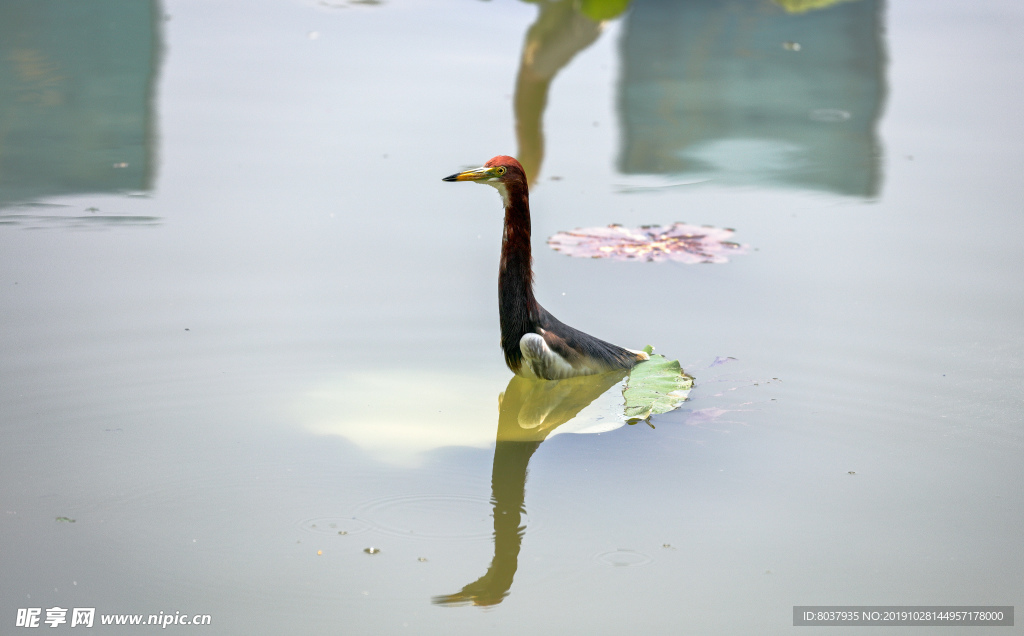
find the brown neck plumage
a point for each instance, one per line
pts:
(516, 305)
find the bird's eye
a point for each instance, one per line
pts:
(500, 171)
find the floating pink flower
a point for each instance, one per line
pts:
(678, 242)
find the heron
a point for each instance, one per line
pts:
(536, 344)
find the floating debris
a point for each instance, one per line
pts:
(678, 242)
(319, 552)
(830, 115)
(422, 559)
(371, 550)
(791, 46)
(65, 519)
(342, 532)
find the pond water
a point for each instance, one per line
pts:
(248, 337)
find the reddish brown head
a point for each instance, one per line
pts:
(505, 161)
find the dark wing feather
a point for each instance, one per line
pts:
(578, 348)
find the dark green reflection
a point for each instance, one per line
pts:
(748, 91)
(563, 28)
(76, 96)
(529, 411)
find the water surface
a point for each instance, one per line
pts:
(269, 341)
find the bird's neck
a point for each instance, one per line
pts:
(516, 303)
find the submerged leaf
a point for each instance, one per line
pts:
(656, 386)
(678, 242)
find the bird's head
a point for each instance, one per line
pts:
(501, 172)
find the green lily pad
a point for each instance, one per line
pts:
(599, 10)
(656, 386)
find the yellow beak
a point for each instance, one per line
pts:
(472, 175)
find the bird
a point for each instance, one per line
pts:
(536, 344)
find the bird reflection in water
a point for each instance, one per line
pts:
(529, 411)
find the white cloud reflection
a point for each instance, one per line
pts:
(397, 417)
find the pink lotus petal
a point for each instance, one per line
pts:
(678, 242)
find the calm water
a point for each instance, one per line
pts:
(246, 332)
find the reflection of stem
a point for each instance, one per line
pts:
(530, 99)
(530, 410)
(558, 34)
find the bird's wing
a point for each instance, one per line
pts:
(557, 351)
